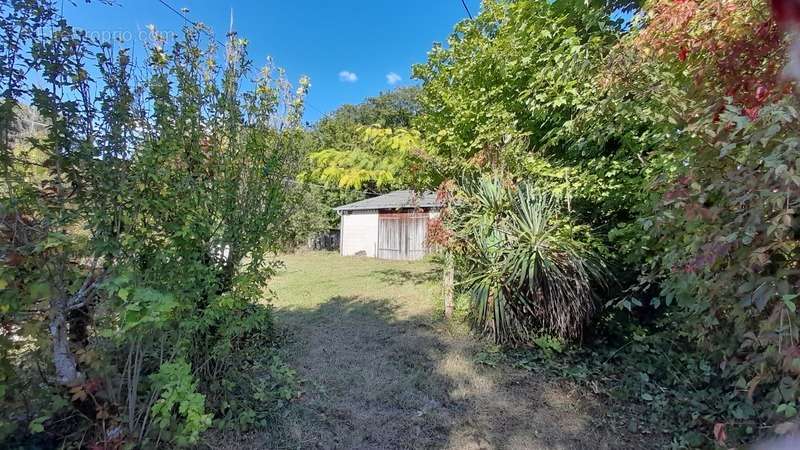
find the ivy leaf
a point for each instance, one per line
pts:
(787, 409)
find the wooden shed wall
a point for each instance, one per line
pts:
(386, 234)
(401, 235)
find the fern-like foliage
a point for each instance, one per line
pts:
(381, 158)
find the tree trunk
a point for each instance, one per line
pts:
(448, 284)
(64, 361)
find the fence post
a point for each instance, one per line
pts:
(447, 282)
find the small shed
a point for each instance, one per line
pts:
(391, 226)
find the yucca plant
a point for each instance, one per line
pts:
(529, 270)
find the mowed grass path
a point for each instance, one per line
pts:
(380, 371)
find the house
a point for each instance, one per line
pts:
(391, 226)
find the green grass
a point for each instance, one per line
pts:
(379, 369)
(310, 279)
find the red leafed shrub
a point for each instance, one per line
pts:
(726, 229)
(728, 251)
(439, 235)
(724, 248)
(729, 47)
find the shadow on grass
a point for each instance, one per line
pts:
(374, 380)
(399, 277)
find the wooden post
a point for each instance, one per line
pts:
(447, 283)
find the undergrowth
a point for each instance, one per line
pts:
(261, 386)
(655, 386)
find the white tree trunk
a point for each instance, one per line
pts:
(64, 361)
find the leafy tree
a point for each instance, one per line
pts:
(359, 137)
(358, 149)
(507, 81)
(392, 109)
(310, 212)
(136, 231)
(721, 227)
(380, 160)
(512, 94)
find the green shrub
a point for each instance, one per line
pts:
(179, 413)
(136, 230)
(727, 258)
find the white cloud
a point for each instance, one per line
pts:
(393, 78)
(347, 76)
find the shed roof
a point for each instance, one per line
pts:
(395, 200)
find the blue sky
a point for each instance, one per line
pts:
(351, 49)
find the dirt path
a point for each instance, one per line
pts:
(379, 372)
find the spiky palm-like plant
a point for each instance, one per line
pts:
(527, 268)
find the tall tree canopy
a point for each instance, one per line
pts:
(369, 145)
(498, 97)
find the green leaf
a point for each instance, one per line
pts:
(37, 424)
(39, 290)
(787, 409)
(788, 300)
